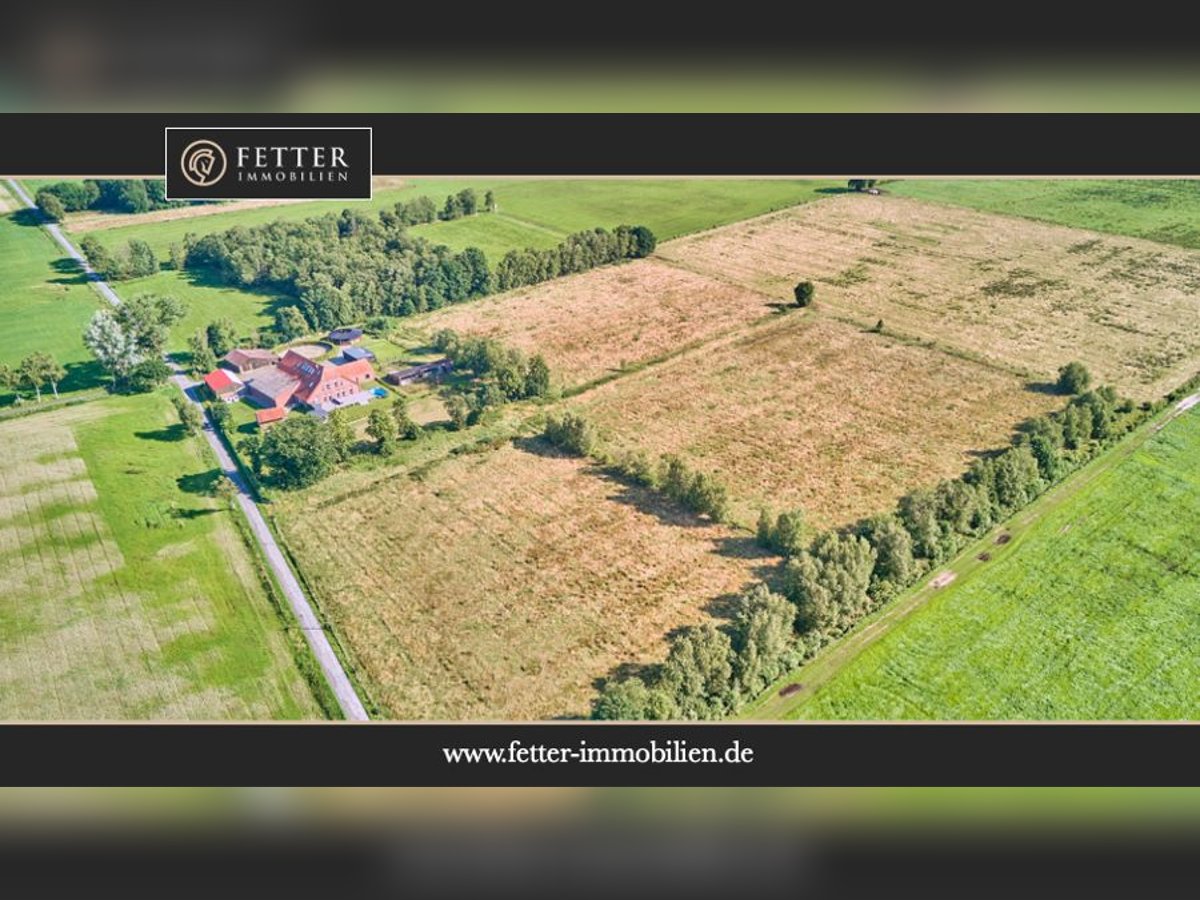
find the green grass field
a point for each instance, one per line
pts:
(1089, 613)
(45, 303)
(129, 593)
(248, 310)
(1166, 211)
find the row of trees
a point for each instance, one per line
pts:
(710, 670)
(129, 340)
(577, 253)
(135, 260)
(500, 375)
(701, 492)
(831, 580)
(352, 266)
(35, 371)
(132, 195)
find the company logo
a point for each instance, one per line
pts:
(224, 163)
(203, 162)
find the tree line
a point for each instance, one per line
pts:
(829, 580)
(350, 267)
(126, 195)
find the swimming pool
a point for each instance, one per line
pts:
(379, 392)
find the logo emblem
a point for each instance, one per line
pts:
(203, 163)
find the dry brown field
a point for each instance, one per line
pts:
(808, 411)
(502, 584)
(593, 324)
(1025, 294)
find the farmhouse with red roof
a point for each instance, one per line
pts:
(296, 379)
(224, 385)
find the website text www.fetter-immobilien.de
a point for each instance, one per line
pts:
(669, 752)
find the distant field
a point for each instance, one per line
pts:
(812, 412)
(1166, 211)
(1090, 614)
(1027, 295)
(500, 585)
(44, 302)
(591, 325)
(128, 593)
(532, 212)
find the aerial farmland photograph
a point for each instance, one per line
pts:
(523, 449)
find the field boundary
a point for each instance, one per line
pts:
(832, 659)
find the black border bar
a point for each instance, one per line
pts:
(409, 754)
(669, 144)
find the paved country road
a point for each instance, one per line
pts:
(314, 633)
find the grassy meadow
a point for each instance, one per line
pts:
(1088, 613)
(45, 303)
(129, 592)
(1164, 211)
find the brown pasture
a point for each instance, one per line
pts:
(502, 584)
(811, 412)
(595, 324)
(1025, 294)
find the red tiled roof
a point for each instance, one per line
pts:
(219, 381)
(274, 414)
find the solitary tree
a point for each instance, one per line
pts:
(803, 293)
(222, 335)
(189, 415)
(1073, 378)
(406, 428)
(51, 207)
(115, 349)
(381, 427)
(203, 359)
(341, 434)
(489, 201)
(297, 452)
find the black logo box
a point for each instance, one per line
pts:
(334, 163)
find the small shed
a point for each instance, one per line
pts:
(435, 370)
(354, 354)
(344, 336)
(223, 384)
(265, 417)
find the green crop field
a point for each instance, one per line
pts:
(128, 591)
(45, 303)
(1165, 211)
(1091, 613)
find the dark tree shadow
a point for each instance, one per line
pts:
(169, 434)
(70, 271)
(539, 446)
(203, 483)
(188, 514)
(1042, 387)
(28, 217)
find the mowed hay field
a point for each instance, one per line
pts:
(128, 593)
(811, 412)
(501, 585)
(1164, 211)
(1022, 293)
(1093, 613)
(596, 323)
